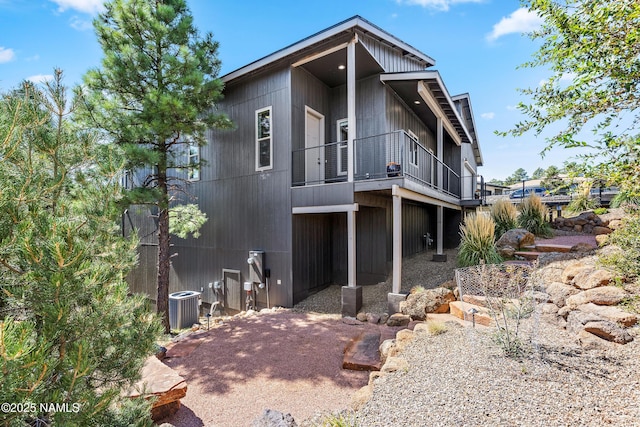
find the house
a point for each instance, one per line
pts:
(348, 154)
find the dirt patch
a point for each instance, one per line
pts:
(289, 362)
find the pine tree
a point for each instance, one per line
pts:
(155, 94)
(69, 334)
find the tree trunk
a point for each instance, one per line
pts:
(163, 269)
(164, 256)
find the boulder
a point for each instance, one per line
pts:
(436, 300)
(602, 239)
(362, 317)
(162, 383)
(590, 279)
(598, 230)
(582, 247)
(574, 269)
(605, 295)
(577, 319)
(615, 224)
(516, 239)
(608, 331)
(373, 318)
(612, 314)
(271, 418)
(506, 251)
(394, 364)
(361, 397)
(398, 319)
(559, 292)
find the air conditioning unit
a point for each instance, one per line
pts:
(183, 309)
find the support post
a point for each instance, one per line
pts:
(394, 298)
(351, 294)
(439, 256)
(351, 106)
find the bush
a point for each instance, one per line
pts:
(583, 200)
(504, 215)
(533, 216)
(627, 260)
(478, 241)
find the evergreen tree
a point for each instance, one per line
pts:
(69, 334)
(537, 174)
(155, 96)
(518, 175)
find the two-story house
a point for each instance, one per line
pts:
(348, 154)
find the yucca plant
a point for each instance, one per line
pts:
(533, 216)
(504, 215)
(478, 241)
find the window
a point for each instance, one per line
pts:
(413, 148)
(343, 136)
(194, 162)
(264, 141)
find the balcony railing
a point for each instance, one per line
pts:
(389, 155)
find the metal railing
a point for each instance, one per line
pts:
(389, 155)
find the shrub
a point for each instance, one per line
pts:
(504, 215)
(436, 328)
(533, 216)
(478, 241)
(583, 200)
(627, 260)
(600, 211)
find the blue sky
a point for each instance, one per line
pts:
(477, 44)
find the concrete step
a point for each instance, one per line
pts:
(363, 352)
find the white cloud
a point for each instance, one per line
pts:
(40, 78)
(520, 21)
(442, 5)
(81, 24)
(6, 54)
(512, 107)
(488, 116)
(86, 6)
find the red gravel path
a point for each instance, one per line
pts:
(570, 240)
(290, 362)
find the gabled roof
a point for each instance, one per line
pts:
(347, 26)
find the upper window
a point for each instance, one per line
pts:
(264, 140)
(194, 162)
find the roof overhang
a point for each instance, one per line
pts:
(464, 100)
(418, 87)
(303, 48)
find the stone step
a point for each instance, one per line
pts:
(550, 247)
(464, 310)
(363, 352)
(528, 255)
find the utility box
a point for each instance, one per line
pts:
(256, 266)
(183, 309)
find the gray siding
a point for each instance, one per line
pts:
(399, 116)
(247, 210)
(392, 59)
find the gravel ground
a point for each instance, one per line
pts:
(417, 270)
(460, 378)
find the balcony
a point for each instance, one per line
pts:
(389, 156)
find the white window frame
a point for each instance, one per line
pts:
(260, 140)
(193, 174)
(342, 144)
(413, 148)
